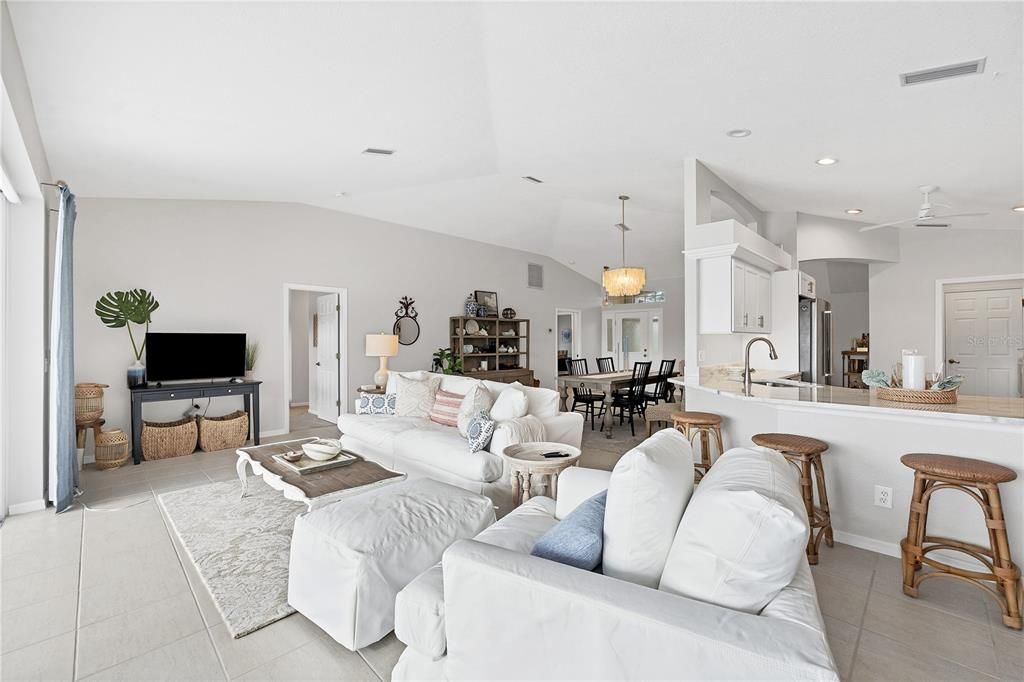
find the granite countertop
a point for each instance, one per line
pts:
(967, 408)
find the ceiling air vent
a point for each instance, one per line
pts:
(534, 276)
(943, 72)
(378, 152)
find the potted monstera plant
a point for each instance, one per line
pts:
(118, 309)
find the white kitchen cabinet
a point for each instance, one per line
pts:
(733, 297)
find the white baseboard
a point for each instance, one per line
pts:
(26, 507)
(870, 544)
(893, 549)
(298, 404)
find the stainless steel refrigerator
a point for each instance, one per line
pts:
(815, 340)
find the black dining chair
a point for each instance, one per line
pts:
(605, 365)
(660, 392)
(584, 396)
(631, 401)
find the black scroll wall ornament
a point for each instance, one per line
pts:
(406, 328)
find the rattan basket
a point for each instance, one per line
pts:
(906, 395)
(88, 403)
(222, 433)
(170, 439)
(111, 449)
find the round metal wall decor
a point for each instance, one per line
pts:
(406, 328)
(508, 313)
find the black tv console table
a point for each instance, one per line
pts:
(152, 393)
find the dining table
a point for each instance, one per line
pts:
(607, 383)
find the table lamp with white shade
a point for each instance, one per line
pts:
(381, 346)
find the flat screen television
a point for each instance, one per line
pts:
(177, 356)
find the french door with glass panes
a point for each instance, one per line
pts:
(632, 336)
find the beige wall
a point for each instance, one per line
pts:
(221, 266)
(902, 295)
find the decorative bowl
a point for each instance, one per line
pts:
(322, 449)
(293, 456)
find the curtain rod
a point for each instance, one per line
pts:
(58, 184)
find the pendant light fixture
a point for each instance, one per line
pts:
(624, 281)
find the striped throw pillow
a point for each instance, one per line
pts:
(446, 408)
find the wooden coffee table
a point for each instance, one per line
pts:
(316, 489)
(526, 460)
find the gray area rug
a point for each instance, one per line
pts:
(239, 546)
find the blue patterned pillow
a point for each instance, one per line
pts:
(480, 430)
(376, 403)
(578, 539)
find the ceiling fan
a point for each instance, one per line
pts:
(926, 217)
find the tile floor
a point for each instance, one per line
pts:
(109, 594)
(301, 419)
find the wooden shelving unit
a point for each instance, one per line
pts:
(487, 360)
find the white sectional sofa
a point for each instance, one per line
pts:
(420, 447)
(492, 611)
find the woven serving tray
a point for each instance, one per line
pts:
(906, 395)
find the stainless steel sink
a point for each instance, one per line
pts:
(786, 383)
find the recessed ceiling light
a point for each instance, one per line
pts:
(377, 151)
(530, 178)
(572, 262)
(1019, 208)
(738, 132)
(341, 194)
(826, 161)
(854, 211)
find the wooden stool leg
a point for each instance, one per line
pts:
(1007, 575)
(807, 492)
(705, 449)
(911, 545)
(80, 437)
(718, 439)
(819, 475)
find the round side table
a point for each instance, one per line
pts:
(526, 460)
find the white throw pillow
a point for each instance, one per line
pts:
(743, 535)
(647, 493)
(415, 398)
(510, 404)
(477, 398)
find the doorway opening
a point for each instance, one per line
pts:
(569, 342)
(980, 334)
(315, 358)
(633, 335)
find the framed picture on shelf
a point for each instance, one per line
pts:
(488, 302)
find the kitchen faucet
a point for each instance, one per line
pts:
(746, 359)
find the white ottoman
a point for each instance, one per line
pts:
(350, 559)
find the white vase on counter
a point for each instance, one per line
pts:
(913, 370)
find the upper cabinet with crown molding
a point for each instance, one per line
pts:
(734, 297)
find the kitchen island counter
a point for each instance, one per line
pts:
(1009, 411)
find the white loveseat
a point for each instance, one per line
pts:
(492, 611)
(419, 447)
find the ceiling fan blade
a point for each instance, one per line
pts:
(958, 215)
(892, 224)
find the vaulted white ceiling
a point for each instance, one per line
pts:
(275, 101)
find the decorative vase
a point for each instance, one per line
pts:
(509, 313)
(471, 306)
(136, 374)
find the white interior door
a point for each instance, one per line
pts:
(328, 358)
(984, 335)
(632, 336)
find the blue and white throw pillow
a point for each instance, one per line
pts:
(376, 403)
(480, 430)
(578, 539)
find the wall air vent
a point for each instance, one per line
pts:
(530, 178)
(534, 276)
(943, 72)
(378, 152)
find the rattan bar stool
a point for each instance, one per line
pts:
(805, 453)
(706, 426)
(980, 480)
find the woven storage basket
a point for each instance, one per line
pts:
(222, 433)
(170, 439)
(906, 395)
(88, 402)
(111, 449)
